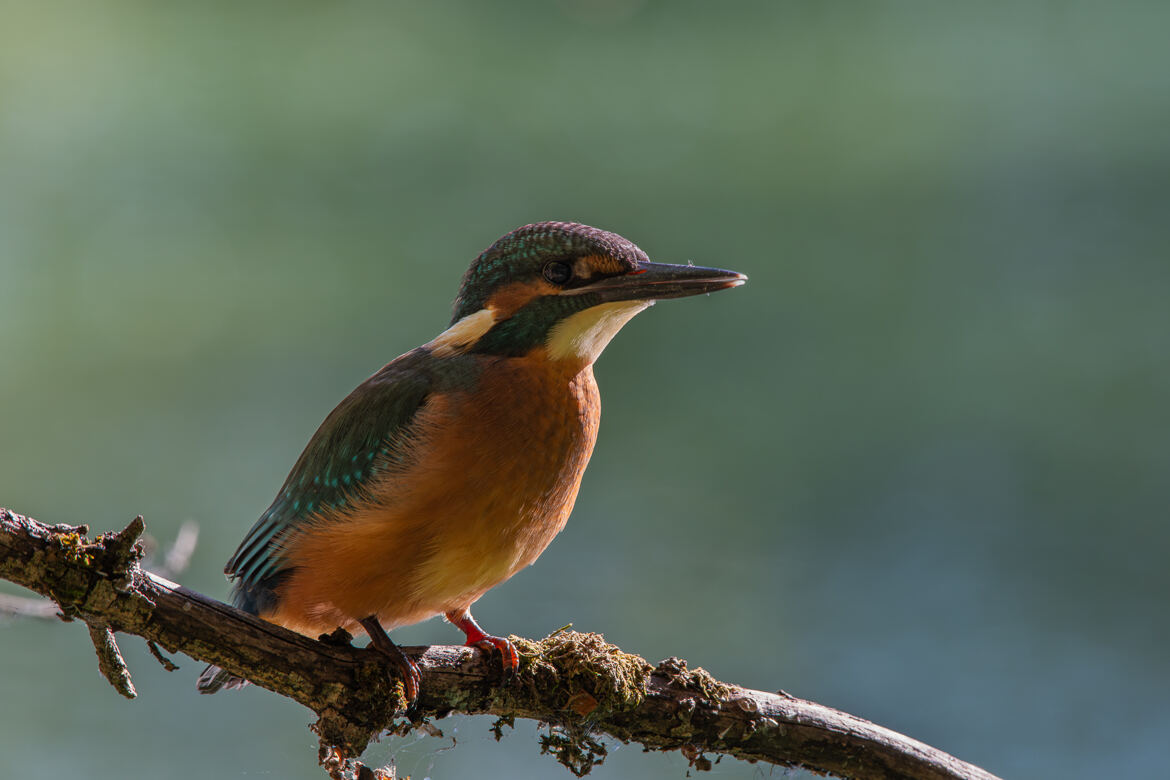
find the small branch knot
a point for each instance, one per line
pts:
(121, 548)
(110, 661)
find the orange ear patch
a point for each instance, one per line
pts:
(509, 299)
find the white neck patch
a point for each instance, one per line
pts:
(582, 336)
(458, 338)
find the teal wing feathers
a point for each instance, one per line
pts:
(364, 435)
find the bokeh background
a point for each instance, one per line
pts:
(916, 469)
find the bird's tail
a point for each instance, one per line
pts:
(214, 678)
(254, 598)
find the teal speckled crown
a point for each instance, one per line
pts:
(518, 254)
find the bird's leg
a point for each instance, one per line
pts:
(462, 619)
(411, 679)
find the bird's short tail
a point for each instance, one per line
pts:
(253, 599)
(214, 678)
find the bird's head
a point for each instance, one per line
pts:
(563, 287)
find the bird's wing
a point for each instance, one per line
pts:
(363, 436)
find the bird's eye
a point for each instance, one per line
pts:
(557, 272)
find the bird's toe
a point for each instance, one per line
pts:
(508, 654)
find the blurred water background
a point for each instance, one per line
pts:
(916, 469)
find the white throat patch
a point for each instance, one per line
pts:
(585, 334)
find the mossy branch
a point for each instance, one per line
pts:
(579, 685)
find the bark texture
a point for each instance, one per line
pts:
(581, 686)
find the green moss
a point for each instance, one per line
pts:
(502, 722)
(579, 753)
(698, 680)
(585, 679)
(371, 682)
(582, 673)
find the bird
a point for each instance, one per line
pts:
(456, 464)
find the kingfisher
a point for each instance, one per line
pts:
(455, 465)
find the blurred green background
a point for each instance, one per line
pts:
(916, 469)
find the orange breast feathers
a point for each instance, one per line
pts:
(490, 480)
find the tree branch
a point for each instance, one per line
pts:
(175, 562)
(577, 683)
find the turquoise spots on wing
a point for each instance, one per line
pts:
(372, 421)
(261, 554)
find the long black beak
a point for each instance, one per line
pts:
(656, 281)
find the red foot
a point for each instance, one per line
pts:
(508, 654)
(486, 642)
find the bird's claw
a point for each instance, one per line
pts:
(407, 669)
(508, 654)
(411, 678)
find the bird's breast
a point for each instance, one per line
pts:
(488, 480)
(504, 461)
